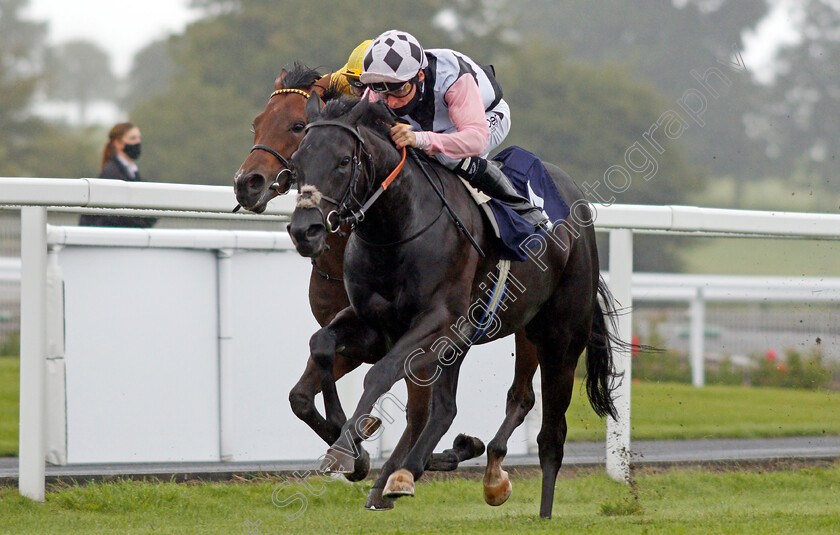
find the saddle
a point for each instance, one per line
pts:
(532, 180)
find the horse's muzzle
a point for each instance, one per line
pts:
(308, 231)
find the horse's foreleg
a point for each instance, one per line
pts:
(442, 413)
(402, 360)
(346, 341)
(417, 414)
(520, 401)
(302, 399)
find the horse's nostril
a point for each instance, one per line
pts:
(314, 231)
(254, 181)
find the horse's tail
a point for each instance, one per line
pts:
(600, 368)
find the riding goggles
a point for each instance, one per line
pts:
(355, 82)
(395, 89)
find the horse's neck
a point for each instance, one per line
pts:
(405, 207)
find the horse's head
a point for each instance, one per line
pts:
(278, 130)
(334, 168)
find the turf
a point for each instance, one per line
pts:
(9, 407)
(679, 411)
(752, 256)
(802, 500)
(659, 411)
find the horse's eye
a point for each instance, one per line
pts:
(297, 128)
(345, 161)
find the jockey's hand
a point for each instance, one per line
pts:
(403, 136)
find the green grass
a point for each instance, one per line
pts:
(659, 411)
(765, 257)
(674, 501)
(753, 256)
(9, 396)
(674, 411)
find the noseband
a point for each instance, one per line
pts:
(288, 166)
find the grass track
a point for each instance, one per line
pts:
(792, 501)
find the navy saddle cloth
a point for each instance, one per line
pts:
(531, 179)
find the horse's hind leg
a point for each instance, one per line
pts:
(520, 401)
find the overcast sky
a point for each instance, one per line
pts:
(119, 26)
(123, 27)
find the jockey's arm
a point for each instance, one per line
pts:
(466, 111)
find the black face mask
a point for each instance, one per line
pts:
(412, 104)
(133, 151)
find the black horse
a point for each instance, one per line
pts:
(412, 276)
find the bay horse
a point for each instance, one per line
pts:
(411, 277)
(265, 174)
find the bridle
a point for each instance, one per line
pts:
(286, 164)
(343, 212)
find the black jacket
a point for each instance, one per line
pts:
(116, 170)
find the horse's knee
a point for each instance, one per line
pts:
(444, 412)
(524, 398)
(302, 404)
(322, 348)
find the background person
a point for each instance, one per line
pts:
(119, 162)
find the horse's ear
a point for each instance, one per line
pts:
(383, 113)
(313, 107)
(358, 111)
(322, 84)
(278, 82)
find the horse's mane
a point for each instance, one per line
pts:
(374, 118)
(332, 92)
(338, 107)
(300, 77)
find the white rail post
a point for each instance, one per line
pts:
(618, 431)
(33, 347)
(224, 266)
(697, 314)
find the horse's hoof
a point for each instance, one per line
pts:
(496, 492)
(361, 467)
(471, 446)
(337, 462)
(400, 483)
(442, 462)
(375, 501)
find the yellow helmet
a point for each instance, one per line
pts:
(353, 67)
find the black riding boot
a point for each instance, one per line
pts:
(489, 179)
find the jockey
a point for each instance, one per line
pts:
(346, 79)
(454, 107)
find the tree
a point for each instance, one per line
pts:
(590, 120)
(151, 73)
(797, 122)
(80, 72)
(224, 66)
(21, 58)
(659, 42)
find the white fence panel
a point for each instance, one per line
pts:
(141, 355)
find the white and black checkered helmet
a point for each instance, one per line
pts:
(394, 56)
